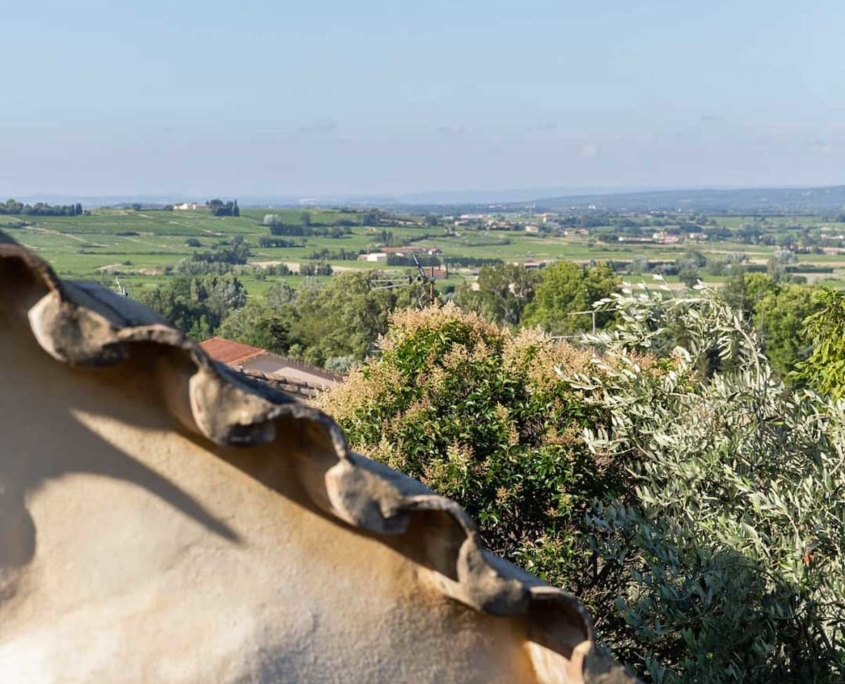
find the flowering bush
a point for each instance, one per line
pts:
(480, 415)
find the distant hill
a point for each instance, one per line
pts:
(737, 201)
(749, 200)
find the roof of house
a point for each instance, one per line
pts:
(228, 352)
(294, 375)
(281, 366)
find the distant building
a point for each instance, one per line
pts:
(408, 250)
(374, 257)
(291, 376)
(228, 352)
(532, 229)
(186, 206)
(665, 238)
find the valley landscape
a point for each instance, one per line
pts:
(144, 246)
(425, 343)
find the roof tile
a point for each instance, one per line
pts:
(229, 352)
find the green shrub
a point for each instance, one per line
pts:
(727, 557)
(479, 414)
(824, 370)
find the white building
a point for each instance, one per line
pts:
(374, 257)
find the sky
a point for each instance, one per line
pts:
(193, 98)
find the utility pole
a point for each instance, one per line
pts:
(392, 282)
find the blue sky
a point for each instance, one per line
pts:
(324, 97)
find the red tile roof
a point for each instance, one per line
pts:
(229, 352)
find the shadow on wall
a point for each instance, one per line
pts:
(42, 440)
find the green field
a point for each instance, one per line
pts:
(139, 246)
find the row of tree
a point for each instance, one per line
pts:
(333, 325)
(557, 299)
(235, 252)
(14, 208)
(220, 208)
(279, 227)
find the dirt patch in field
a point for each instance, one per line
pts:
(125, 269)
(292, 265)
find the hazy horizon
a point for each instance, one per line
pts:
(193, 99)
(444, 197)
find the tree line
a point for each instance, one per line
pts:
(220, 208)
(558, 300)
(12, 207)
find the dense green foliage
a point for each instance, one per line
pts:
(259, 325)
(197, 305)
(15, 208)
(824, 370)
(479, 414)
(345, 317)
(670, 480)
(220, 208)
(502, 292)
(779, 319)
(554, 299)
(306, 226)
(777, 310)
(225, 253)
(727, 558)
(317, 323)
(566, 292)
